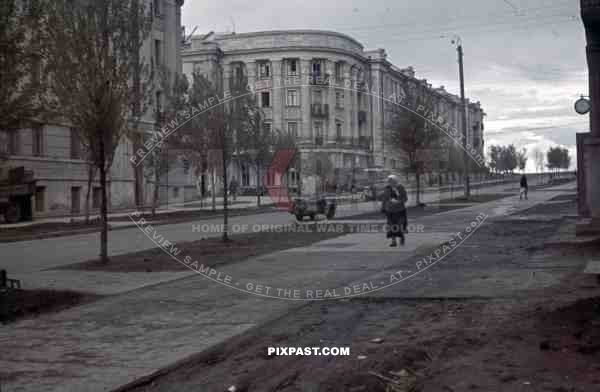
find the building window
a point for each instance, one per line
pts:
(293, 129)
(316, 68)
(318, 132)
(238, 73)
(75, 144)
(186, 166)
(266, 129)
(75, 199)
(339, 70)
(176, 192)
(264, 69)
(40, 197)
(158, 52)
(317, 97)
(265, 99)
(339, 99)
(96, 197)
(292, 98)
(14, 143)
(37, 142)
(338, 130)
(394, 164)
(292, 67)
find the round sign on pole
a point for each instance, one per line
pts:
(582, 105)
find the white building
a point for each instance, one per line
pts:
(325, 89)
(53, 153)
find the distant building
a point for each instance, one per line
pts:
(54, 154)
(314, 77)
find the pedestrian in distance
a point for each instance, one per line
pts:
(233, 188)
(524, 188)
(394, 207)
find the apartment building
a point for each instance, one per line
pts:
(334, 96)
(55, 155)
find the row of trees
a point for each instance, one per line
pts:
(505, 159)
(558, 158)
(425, 149)
(82, 64)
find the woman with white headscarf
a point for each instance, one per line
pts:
(394, 207)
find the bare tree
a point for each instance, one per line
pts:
(215, 129)
(197, 137)
(98, 76)
(21, 65)
(413, 134)
(174, 89)
(522, 159)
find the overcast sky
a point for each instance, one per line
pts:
(524, 59)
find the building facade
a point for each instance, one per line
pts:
(55, 155)
(324, 88)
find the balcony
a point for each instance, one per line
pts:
(319, 110)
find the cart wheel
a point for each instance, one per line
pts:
(330, 213)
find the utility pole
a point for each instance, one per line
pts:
(463, 116)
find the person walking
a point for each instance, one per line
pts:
(233, 188)
(394, 206)
(524, 188)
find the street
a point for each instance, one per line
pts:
(122, 337)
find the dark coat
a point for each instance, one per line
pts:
(394, 199)
(523, 182)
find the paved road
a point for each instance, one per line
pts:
(113, 341)
(30, 256)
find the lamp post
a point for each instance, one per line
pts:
(458, 42)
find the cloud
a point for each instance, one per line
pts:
(526, 65)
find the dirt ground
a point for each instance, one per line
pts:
(541, 339)
(18, 304)
(210, 251)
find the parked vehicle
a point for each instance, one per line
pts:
(312, 205)
(15, 195)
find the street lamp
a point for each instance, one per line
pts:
(456, 40)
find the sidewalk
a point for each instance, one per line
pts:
(241, 202)
(111, 342)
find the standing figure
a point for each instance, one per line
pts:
(233, 188)
(394, 207)
(524, 188)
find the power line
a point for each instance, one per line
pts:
(455, 19)
(447, 34)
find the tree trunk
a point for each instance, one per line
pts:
(214, 190)
(418, 178)
(103, 207)
(225, 208)
(258, 184)
(91, 173)
(155, 195)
